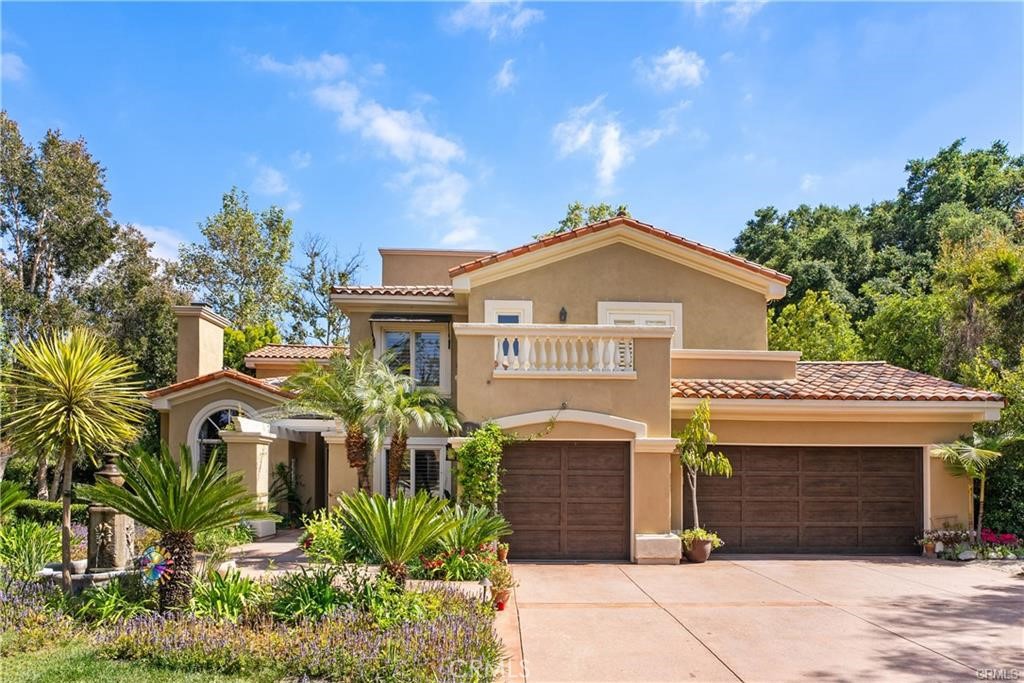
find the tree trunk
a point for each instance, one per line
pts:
(55, 487)
(42, 489)
(175, 590)
(691, 477)
(65, 540)
(355, 450)
(395, 460)
(981, 505)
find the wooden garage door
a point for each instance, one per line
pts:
(814, 499)
(567, 500)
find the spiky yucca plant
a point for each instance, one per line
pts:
(168, 495)
(971, 458)
(396, 529)
(73, 396)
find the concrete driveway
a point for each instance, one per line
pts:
(765, 619)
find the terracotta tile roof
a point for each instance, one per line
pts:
(837, 381)
(397, 290)
(226, 373)
(611, 223)
(293, 352)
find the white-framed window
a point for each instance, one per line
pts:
(508, 311)
(643, 313)
(204, 432)
(425, 467)
(422, 350)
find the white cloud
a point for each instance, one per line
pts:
(506, 77)
(575, 132)
(809, 182)
(300, 159)
(613, 154)
(325, 67)
(269, 181)
(727, 57)
(675, 67)
(12, 67)
(738, 14)
(493, 18)
(165, 241)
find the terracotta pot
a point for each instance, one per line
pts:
(699, 551)
(929, 550)
(500, 597)
(502, 554)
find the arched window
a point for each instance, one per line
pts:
(208, 442)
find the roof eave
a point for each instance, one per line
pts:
(845, 410)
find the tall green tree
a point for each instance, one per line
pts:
(314, 317)
(73, 396)
(239, 342)
(240, 267)
(907, 331)
(817, 326)
(577, 215)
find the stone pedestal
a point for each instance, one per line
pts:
(110, 532)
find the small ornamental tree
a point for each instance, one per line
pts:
(695, 454)
(972, 459)
(479, 470)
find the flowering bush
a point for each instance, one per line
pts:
(32, 615)
(989, 536)
(948, 537)
(454, 642)
(456, 565)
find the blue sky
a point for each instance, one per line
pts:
(474, 125)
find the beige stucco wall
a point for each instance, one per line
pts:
(652, 493)
(716, 314)
(645, 398)
(181, 413)
(950, 498)
(200, 347)
(428, 267)
(712, 368)
(341, 478)
(250, 456)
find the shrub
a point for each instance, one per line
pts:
(223, 539)
(307, 594)
(327, 539)
(122, 598)
(33, 615)
(455, 566)
(26, 547)
(47, 512)
(1004, 499)
(475, 526)
(10, 495)
(479, 469)
(225, 596)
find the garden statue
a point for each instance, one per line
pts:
(110, 531)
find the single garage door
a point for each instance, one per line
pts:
(567, 500)
(814, 499)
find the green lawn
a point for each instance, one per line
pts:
(78, 662)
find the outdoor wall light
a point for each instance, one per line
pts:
(563, 315)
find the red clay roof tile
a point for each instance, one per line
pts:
(226, 373)
(396, 290)
(294, 352)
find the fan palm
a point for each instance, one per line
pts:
(168, 495)
(396, 405)
(72, 396)
(339, 390)
(971, 459)
(396, 529)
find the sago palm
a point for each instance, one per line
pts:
(971, 459)
(396, 405)
(396, 529)
(340, 391)
(168, 495)
(72, 396)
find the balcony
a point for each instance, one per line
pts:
(530, 351)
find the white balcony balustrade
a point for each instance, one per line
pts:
(571, 351)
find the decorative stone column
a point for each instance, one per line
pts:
(248, 452)
(654, 542)
(341, 478)
(111, 533)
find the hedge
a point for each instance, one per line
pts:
(47, 512)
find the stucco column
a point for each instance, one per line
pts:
(248, 452)
(654, 542)
(341, 478)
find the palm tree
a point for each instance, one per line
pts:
(396, 405)
(971, 459)
(167, 495)
(339, 390)
(396, 529)
(72, 396)
(695, 454)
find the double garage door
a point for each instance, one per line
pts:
(567, 500)
(814, 500)
(571, 500)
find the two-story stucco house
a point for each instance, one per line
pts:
(616, 329)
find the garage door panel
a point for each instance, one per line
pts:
(829, 511)
(828, 485)
(567, 500)
(771, 511)
(603, 486)
(769, 485)
(532, 484)
(816, 499)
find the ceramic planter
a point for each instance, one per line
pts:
(699, 551)
(929, 550)
(502, 554)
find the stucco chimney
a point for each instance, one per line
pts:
(200, 340)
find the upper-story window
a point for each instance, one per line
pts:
(643, 313)
(507, 311)
(422, 352)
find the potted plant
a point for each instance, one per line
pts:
(502, 552)
(698, 544)
(927, 543)
(502, 583)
